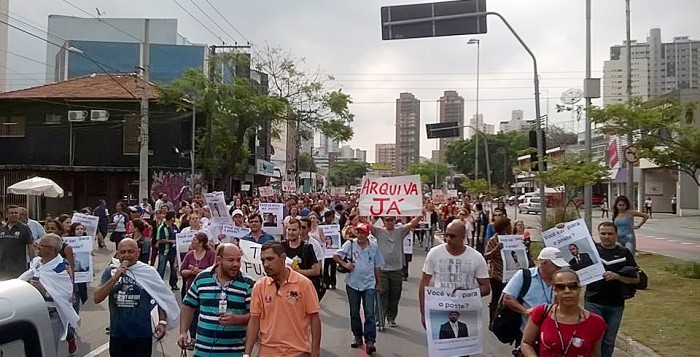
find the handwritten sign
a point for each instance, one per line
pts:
(576, 245)
(288, 187)
(233, 233)
(251, 264)
(82, 253)
(266, 191)
(391, 196)
(445, 307)
(89, 222)
(182, 244)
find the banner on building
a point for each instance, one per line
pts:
(391, 196)
(576, 245)
(453, 322)
(82, 257)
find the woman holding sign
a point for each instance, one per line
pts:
(492, 254)
(564, 328)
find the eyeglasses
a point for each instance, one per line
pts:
(572, 286)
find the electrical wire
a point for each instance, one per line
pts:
(106, 22)
(198, 21)
(212, 20)
(228, 22)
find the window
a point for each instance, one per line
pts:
(53, 119)
(12, 126)
(132, 130)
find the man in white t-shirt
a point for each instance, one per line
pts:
(453, 265)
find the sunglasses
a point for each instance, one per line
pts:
(572, 286)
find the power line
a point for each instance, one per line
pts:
(106, 22)
(27, 58)
(228, 22)
(212, 20)
(196, 19)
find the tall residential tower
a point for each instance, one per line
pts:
(407, 132)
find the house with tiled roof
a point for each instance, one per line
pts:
(84, 134)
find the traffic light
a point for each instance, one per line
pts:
(533, 156)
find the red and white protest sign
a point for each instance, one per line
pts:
(391, 196)
(452, 194)
(289, 187)
(266, 191)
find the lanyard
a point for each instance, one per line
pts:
(544, 292)
(565, 350)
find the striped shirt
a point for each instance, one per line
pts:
(214, 339)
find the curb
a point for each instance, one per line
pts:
(632, 347)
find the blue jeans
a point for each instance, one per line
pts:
(169, 259)
(367, 298)
(628, 241)
(613, 317)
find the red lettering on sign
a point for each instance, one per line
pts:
(395, 207)
(381, 206)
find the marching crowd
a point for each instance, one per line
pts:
(223, 312)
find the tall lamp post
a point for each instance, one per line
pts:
(474, 41)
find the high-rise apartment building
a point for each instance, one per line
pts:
(328, 145)
(451, 109)
(483, 127)
(407, 131)
(361, 155)
(385, 159)
(657, 68)
(516, 122)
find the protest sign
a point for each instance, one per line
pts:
(338, 191)
(438, 196)
(513, 255)
(408, 244)
(82, 253)
(217, 207)
(273, 217)
(233, 234)
(424, 223)
(245, 187)
(89, 222)
(576, 245)
(266, 191)
(391, 196)
(182, 244)
(288, 187)
(446, 307)
(452, 194)
(331, 239)
(251, 264)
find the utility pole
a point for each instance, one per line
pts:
(630, 137)
(194, 127)
(476, 134)
(143, 152)
(588, 188)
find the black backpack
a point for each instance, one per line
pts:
(506, 324)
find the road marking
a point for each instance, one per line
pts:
(97, 351)
(660, 238)
(686, 243)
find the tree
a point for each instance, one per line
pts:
(664, 131)
(311, 105)
(475, 187)
(557, 137)
(427, 171)
(570, 173)
(347, 172)
(504, 149)
(234, 110)
(307, 163)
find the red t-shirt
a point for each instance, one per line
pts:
(588, 332)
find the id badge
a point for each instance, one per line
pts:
(577, 342)
(223, 304)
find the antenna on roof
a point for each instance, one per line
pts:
(99, 13)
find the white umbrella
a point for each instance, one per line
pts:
(36, 186)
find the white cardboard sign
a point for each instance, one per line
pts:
(391, 196)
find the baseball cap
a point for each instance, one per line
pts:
(135, 209)
(362, 227)
(553, 255)
(237, 211)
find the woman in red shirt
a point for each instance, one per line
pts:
(563, 329)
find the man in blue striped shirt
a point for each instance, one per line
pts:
(222, 294)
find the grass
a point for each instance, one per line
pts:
(666, 316)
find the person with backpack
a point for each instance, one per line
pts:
(304, 260)
(607, 297)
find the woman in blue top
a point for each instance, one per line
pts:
(623, 218)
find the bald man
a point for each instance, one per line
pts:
(134, 289)
(220, 296)
(454, 266)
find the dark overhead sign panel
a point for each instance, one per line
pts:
(433, 27)
(448, 129)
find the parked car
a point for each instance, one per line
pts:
(530, 205)
(512, 200)
(522, 198)
(596, 200)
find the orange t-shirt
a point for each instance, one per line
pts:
(285, 329)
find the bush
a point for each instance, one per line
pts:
(685, 270)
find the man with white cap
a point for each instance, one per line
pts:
(550, 261)
(238, 219)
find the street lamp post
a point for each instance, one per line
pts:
(476, 136)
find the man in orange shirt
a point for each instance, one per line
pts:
(283, 310)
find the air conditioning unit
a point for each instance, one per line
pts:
(77, 115)
(99, 115)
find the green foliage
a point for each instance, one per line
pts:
(234, 110)
(475, 187)
(685, 270)
(557, 137)
(308, 99)
(427, 171)
(572, 172)
(662, 133)
(348, 172)
(307, 163)
(504, 149)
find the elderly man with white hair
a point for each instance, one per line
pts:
(49, 274)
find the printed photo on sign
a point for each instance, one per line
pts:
(391, 196)
(82, 251)
(331, 239)
(217, 207)
(272, 216)
(577, 248)
(233, 234)
(513, 255)
(89, 222)
(453, 322)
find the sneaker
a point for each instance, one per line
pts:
(72, 346)
(392, 323)
(357, 343)
(370, 348)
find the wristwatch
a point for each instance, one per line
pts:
(163, 322)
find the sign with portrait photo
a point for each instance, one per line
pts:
(576, 245)
(217, 207)
(89, 222)
(82, 252)
(513, 255)
(331, 239)
(453, 319)
(272, 217)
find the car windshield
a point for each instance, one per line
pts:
(534, 200)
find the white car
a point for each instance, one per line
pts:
(530, 205)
